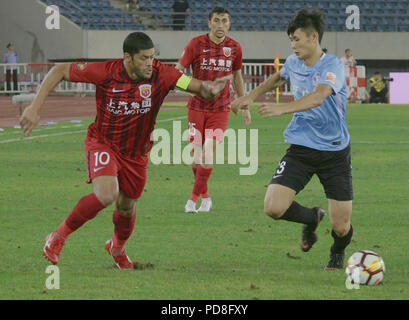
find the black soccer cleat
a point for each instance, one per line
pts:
(336, 261)
(308, 235)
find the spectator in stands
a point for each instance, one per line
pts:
(378, 89)
(348, 60)
(132, 5)
(181, 7)
(10, 57)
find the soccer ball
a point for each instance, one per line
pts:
(365, 267)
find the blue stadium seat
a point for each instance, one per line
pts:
(231, 6)
(297, 6)
(196, 6)
(143, 4)
(249, 15)
(268, 28)
(331, 20)
(166, 20)
(264, 6)
(253, 20)
(369, 28)
(379, 6)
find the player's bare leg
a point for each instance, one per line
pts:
(105, 193)
(124, 221)
(279, 204)
(277, 200)
(340, 217)
(106, 189)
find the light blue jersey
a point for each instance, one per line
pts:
(322, 127)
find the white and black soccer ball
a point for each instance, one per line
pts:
(365, 266)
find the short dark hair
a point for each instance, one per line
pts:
(307, 18)
(137, 41)
(218, 10)
(377, 72)
(347, 50)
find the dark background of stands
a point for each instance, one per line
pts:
(247, 15)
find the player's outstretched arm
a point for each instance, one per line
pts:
(268, 85)
(31, 115)
(311, 100)
(208, 89)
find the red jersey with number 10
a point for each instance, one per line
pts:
(210, 61)
(126, 110)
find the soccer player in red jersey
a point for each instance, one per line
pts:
(129, 94)
(211, 55)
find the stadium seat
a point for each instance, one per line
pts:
(196, 6)
(297, 6)
(252, 20)
(251, 15)
(166, 20)
(264, 6)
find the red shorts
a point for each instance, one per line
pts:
(102, 161)
(206, 125)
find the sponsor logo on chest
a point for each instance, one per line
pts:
(216, 62)
(127, 108)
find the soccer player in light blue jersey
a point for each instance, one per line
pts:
(317, 134)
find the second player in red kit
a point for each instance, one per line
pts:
(129, 94)
(210, 56)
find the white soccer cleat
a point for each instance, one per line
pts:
(206, 205)
(190, 207)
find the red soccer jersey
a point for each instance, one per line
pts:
(210, 61)
(126, 110)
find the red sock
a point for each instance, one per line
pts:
(205, 193)
(123, 228)
(202, 175)
(86, 209)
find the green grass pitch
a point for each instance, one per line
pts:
(233, 252)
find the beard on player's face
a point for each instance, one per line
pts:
(140, 64)
(142, 72)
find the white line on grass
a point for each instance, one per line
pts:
(352, 142)
(42, 136)
(68, 132)
(167, 120)
(171, 119)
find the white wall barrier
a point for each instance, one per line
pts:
(30, 76)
